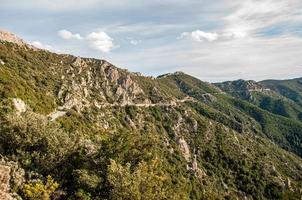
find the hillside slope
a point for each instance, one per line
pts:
(81, 128)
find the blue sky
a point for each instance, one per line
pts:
(214, 40)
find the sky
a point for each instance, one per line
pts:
(213, 40)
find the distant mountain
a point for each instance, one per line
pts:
(82, 128)
(278, 97)
(288, 88)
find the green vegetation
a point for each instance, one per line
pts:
(40, 191)
(212, 147)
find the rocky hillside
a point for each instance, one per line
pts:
(82, 128)
(288, 88)
(242, 89)
(277, 97)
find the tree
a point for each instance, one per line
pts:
(146, 181)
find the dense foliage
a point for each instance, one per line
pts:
(212, 147)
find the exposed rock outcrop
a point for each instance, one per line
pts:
(20, 105)
(11, 37)
(171, 74)
(242, 88)
(4, 183)
(10, 173)
(185, 150)
(79, 62)
(89, 82)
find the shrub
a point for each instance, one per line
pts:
(39, 190)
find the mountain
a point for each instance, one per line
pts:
(290, 89)
(82, 128)
(273, 96)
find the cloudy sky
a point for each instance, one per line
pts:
(214, 40)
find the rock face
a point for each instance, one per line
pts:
(89, 82)
(56, 114)
(242, 88)
(171, 74)
(241, 85)
(184, 147)
(11, 175)
(10, 37)
(4, 183)
(19, 105)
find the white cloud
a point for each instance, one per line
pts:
(40, 45)
(67, 35)
(251, 16)
(200, 36)
(235, 34)
(135, 42)
(99, 40)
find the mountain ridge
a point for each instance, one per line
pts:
(101, 132)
